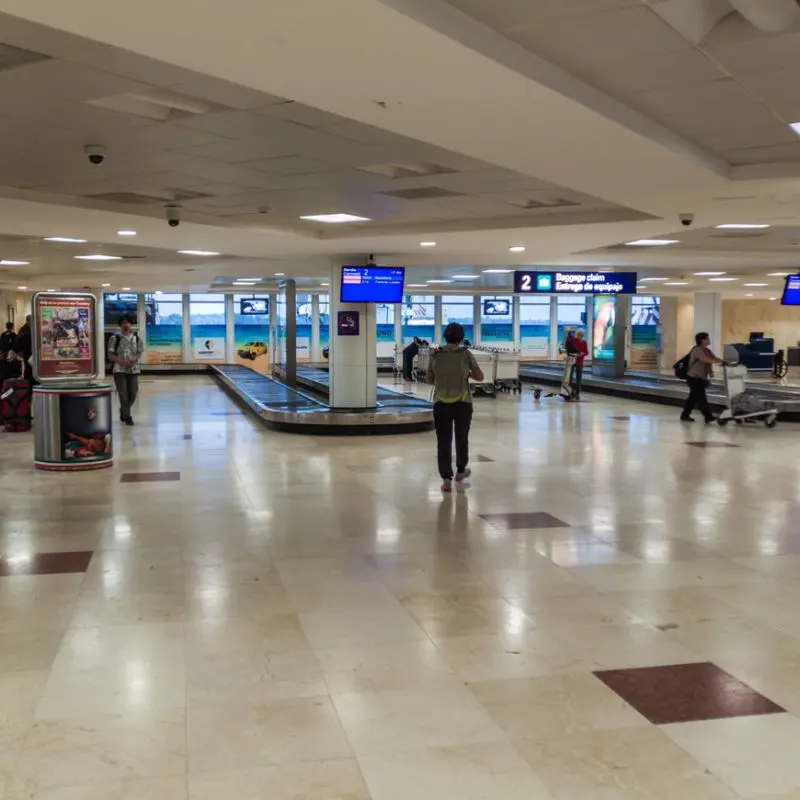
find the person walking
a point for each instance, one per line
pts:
(581, 351)
(698, 377)
(7, 340)
(449, 371)
(125, 352)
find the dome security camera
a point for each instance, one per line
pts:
(95, 153)
(173, 212)
(686, 219)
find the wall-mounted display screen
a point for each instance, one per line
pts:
(496, 308)
(791, 292)
(250, 306)
(372, 284)
(574, 282)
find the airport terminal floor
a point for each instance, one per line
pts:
(608, 612)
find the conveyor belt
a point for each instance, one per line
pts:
(282, 408)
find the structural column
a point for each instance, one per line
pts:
(315, 351)
(708, 317)
(353, 350)
(230, 328)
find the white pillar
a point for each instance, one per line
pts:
(437, 321)
(515, 323)
(99, 334)
(554, 344)
(398, 327)
(229, 330)
(708, 318)
(476, 311)
(353, 359)
(315, 352)
(188, 350)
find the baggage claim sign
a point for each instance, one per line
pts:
(574, 282)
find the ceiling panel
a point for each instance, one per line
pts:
(504, 14)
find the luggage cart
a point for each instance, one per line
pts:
(397, 364)
(565, 390)
(743, 407)
(487, 361)
(421, 363)
(507, 375)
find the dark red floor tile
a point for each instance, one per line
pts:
(149, 477)
(482, 460)
(45, 563)
(524, 520)
(686, 693)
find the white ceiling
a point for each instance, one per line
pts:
(535, 107)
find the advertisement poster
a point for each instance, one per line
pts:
(85, 427)
(251, 345)
(347, 323)
(645, 336)
(209, 349)
(65, 326)
(605, 319)
(164, 344)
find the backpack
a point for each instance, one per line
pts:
(117, 337)
(681, 367)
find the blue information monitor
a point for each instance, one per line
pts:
(574, 282)
(372, 284)
(791, 292)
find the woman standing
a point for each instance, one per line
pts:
(449, 371)
(701, 361)
(581, 351)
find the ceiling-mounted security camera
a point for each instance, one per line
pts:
(686, 219)
(173, 212)
(96, 154)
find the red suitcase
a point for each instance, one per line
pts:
(15, 405)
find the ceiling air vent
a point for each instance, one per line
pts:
(739, 235)
(423, 193)
(135, 199)
(532, 205)
(12, 57)
(398, 171)
(162, 105)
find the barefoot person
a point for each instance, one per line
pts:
(450, 369)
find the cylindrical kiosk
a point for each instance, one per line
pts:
(72, 414)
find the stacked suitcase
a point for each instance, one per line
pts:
(15, 405)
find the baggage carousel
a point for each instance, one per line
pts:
(304, 410)
(653, 388)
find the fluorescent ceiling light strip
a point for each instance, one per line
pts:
(335, 219)
(755, 284)
(198, 252)
(742, 226)
(497, 271)
(652, 280)
(6, 262)
(66, 239)
(676, 283)
(465, 277)
(708, 274)
(721, 280)
(440, 280)
(651, 242)
(427, 244)
(98, 257)
(126, 233)
(517, 248)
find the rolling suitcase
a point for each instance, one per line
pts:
(15, 405)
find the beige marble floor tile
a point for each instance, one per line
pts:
(755, 756)
(227, 738)
(28, 650)
(625, 764)
(327, 596)
(312, 780)
(378, 667)
(461, 772)
(20, 693)
(110, 747)
(12, 739)
(244, 601)
(148, 789)
(393, 720)
(275, 633)
(554, 705)
(354, 627)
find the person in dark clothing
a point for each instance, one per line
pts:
(450, 369)
(7, 340)
(701, 361)
(410, 352)
(23, 347)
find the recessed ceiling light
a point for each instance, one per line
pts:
(497, 271)
(243, 283)
(440, 280)
(334, 219)
(67, 239)
(517, 248)
(722, 280)
(748, 294)
(709, 274)
(777, 274)
(742, 226)
(99, 257)
(325, 283)
(415, 285)
(51, 290)
(158, 292)
(676, 283)
(126, 288)
(7, 262)
(198, 252)
(773, 298)
(653, 280)
(427, 244)
(252, 280)
(126, 233)
(651, 242)
(755, 284)
(465, 277)
(105, 285)
(279, 274)
(21, 288)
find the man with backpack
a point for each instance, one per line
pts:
(125, 352)
(696, 369)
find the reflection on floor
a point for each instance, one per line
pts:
(606, 613)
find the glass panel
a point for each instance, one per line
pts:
(645, 333)
(115, 305)
(496, 321)
(304, 316)
(384, 316)
(251, 330)
(570, 313)
(418, 318)
(324, 321)
(534, 327)
(460, 308)
(164, 328)
(207, 320)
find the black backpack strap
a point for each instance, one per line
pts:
(116, 343)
